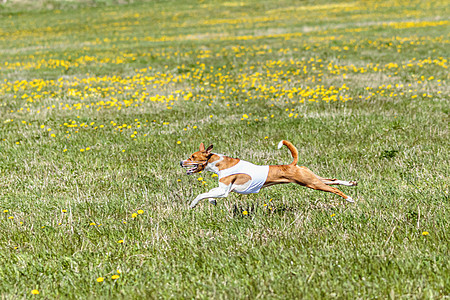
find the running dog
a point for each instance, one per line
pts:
(242, 177)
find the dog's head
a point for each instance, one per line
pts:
(198, 160)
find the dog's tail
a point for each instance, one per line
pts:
(292, 148)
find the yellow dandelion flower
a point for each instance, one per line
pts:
(35, 292)
(178, 142)
(333, 215)
(100, 279)
(10, 217)
(214, 175)
(120, 241)
(5, 211)
(64, 210)
(134, 215)
(140, 211)
(245, 212)
(200, 178)
(114, 277)
(92, 224)
(425, 233)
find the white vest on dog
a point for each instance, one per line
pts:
(257, 173)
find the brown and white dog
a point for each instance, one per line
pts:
(242, 177)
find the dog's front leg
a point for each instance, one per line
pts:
(219, 192)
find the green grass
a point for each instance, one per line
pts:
(99, 101)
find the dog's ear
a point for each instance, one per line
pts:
(202, 147)
(209, 149)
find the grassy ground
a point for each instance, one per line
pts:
(100, 100)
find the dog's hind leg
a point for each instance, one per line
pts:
(319, 185)
(338, 182)
(332, 181)
(305, 177)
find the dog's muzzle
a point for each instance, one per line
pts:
(193, 167)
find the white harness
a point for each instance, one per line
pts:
(257, 173)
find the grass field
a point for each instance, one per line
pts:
(100, 100)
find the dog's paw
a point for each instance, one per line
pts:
(213, 202)
(353, 183)
(349, 199)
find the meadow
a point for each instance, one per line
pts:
(100, 100)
